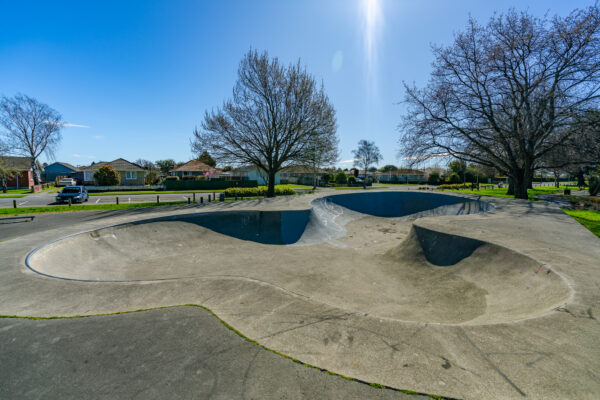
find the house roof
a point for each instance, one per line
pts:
(64, 164)
(120, 164)
(18, 163)
(194, 166)
(302, 169)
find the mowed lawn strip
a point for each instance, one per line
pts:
(501, 192)
(80, 207)
(587, 218)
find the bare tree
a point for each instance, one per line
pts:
(321, 152)
(366, 155)
(271, 120)
(30, 128)
(505, 94)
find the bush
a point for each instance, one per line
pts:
(453, 178)
(434, 178)
(107, 176)
(201, 178)
(171, 178)
(351, 180)
(152, 177)
(341, 178)
(188, 178)
(260, 191)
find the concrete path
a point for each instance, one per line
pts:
(549, 353)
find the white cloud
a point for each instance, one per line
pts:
(98, 137)
(349, 161)
(67, 125)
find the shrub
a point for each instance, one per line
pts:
(188, 178)
(341, 178)
(200, 178)
(152, 177)
(107, 176)
(434, 178)
(351, 180)
(256, 192)
(453, 178)
(458, 186)
(171, 178)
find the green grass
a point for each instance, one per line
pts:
(18, 191)
(81, 207)
(502, 192)
(12, 196)
(589, 219)
(357, 187)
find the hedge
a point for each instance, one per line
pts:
(215, 184)
(256, 192)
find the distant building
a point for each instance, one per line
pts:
(302, 175)
(192, 168)
(24, 173)
(54, 170)
(402, 176)
(131, 174)
(252, 173)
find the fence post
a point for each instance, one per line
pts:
(189, 200)
(117, 200)
(209, 198)
(194, 196)
(201, 199)
(14, 204)
(157, 199)
(70, 202)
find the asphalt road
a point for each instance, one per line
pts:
(48, 199)
(175, 353)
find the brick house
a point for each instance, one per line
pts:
(23, 178)
(131, 174)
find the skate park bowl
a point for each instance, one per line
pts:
(360, 252)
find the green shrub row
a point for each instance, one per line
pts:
(458, 186)
(256, 192)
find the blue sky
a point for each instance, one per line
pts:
(139, 75)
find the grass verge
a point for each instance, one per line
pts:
(231, 328)
(589, 219)
(81, 207)
(502, 192)
(12, 196)
(295, 187)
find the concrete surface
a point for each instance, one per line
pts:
(514, 317)
(177, 353)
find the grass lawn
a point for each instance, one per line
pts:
(589, 219)
(358, 187)
(81, 207)
(11, 196)
(502, 192)
(18, 191)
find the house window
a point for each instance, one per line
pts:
(131, 175)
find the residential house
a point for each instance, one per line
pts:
(253, 174)
(302, 175)
(192, 168)
(23, 178)
(131, 174)
(402, 176)
(54, 170)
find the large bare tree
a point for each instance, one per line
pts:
(505, 94)
(29, 128)
(274, 114)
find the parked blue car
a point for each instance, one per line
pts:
(75, 193)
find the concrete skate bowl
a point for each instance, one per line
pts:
(425, 276)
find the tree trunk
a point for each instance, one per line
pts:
(271, 184)
(511, 187)
(315, 181)
(580, 178)
(34, 169)
(521, 180)
(4, 187)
